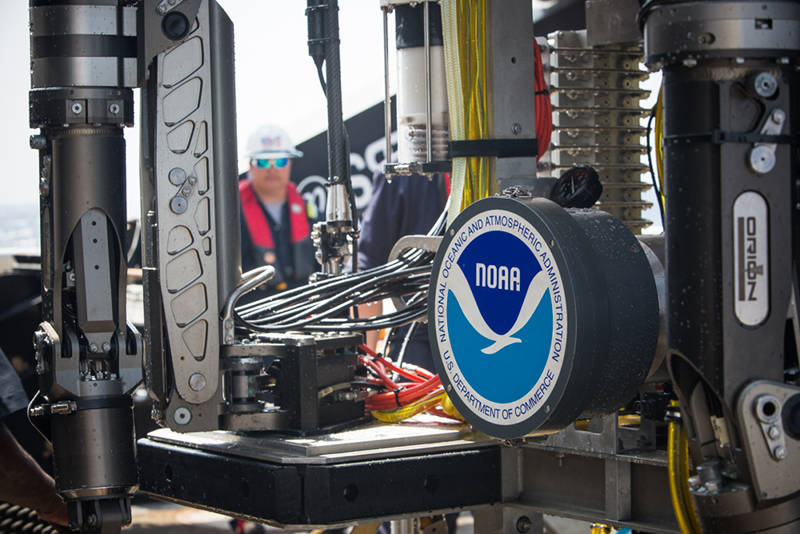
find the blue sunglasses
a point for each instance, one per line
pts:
(267, 163)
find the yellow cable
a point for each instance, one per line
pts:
(687, 496)
(659, 140)
(405, 412)
(676, 480)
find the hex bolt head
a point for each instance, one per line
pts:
(778, 116)
(516, 128)
(690, 62)
(93, 347)
(774, 432)
(106, 346)
(779, 453)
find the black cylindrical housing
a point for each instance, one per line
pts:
(592, 300)
(94, 450)
(82, 44)
(410, 25)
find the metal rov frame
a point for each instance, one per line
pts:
(736, 133)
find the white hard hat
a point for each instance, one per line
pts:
(270, 141)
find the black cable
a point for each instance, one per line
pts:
(321, 310)
(404, 346)
(321, 79)
(650, 165)
(318, 307)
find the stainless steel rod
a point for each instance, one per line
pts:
(387, 102)
(426, 32)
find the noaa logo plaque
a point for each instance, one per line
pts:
(500, 306)
(530, 308)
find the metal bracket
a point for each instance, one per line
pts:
(408, 242)
(762, 156)
(773, 455)
(250, 280)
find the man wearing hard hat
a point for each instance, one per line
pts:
(275, 220)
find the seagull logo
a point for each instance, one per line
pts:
(460, 288)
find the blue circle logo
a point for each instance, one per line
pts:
(500, 317)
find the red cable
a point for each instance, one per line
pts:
(544, 110)
(399, 394)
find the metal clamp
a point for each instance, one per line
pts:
(762, 156)
(773, 455)
(250, 280)
(58, 408)
(767, 408)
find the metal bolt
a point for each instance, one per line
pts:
(706, 38)
(765, 84)
(783, 60)
(182, 415)
(774, 432)
(91, 520)
(523, 524)
(71, 277)
(229, 340)
(516, 128)
(178, 204)
(161, 9)
(106, 346)
(779, 453)
(113, 109)
(44, 187)
(192, 180)
(694, 482)
(778, 116)
(176, 176)
(762, 159)
(197, 382)
(690, 62)
(711, 486)
(739, 60)
(93, 347)
(77, 108)
(38, 142)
